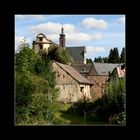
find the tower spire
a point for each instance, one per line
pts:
(62, 38)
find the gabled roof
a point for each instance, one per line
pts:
(73, 73)
(41, 35)
(119, 70)
(77, 53)
(104, 68)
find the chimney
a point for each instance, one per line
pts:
(85, 59)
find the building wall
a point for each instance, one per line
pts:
(44, 42)
(70, 89)
(98, 87)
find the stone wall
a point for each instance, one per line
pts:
(97, 89)
(70, 89)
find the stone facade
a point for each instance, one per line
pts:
(98, 87)
(70, 89)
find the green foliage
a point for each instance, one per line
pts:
(36, 95)
(25, 60)
(89, 61)
(98, 59)
(101, 59)
(122, 56)
(113, 56)
(115, 93)
(113, 103)
(59, 54)
(105, 59)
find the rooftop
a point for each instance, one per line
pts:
(76, 75)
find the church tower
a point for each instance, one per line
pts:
(62, 38)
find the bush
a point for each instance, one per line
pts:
(36, 95)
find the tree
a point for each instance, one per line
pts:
(98, 59)
(122, 56)
(113, 56)
(105, 59)
(36, 94)
(89, 61)
(59, 54)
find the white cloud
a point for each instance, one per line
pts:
(81, 37)
(94, 23)
(51, 27)
(121, 20)
(52, 31)
(93, 50)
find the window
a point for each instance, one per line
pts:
(40, 39)
(41, 46)
(81, 89)
(83, 70)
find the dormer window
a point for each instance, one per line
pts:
(40, 39)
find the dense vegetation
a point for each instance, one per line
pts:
(108, 109)
(36, 94)
(113, 57)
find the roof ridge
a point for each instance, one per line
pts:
(89, 82)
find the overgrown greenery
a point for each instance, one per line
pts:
(59, 54)
(89, 61)
(36, 95)
(109, 109)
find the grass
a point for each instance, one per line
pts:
(70, 119)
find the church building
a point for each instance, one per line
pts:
(78, 53)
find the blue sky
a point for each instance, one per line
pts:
(99, 33)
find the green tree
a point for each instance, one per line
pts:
(89, 61)
(113, 56)
(36, 94)
(59, 54)
(98, 59)
(105, 59)
(122, 56)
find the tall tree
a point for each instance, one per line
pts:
(89, 61)
(98, 59)
(36, 94)
(59, 54)
(114, 56)
(105, 59)
(122, 56)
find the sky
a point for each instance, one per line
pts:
(99, 33)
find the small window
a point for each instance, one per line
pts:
(63, 76)
(81, 89)
(40, 39)
(41, 47)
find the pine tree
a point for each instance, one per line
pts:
(114, 56)
(122, 56)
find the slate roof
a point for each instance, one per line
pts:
(104, 68)
(85, 69)
(73, 73)
(77, 53)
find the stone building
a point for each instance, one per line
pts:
(118, 72)
(98, 74)
(72, 84)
